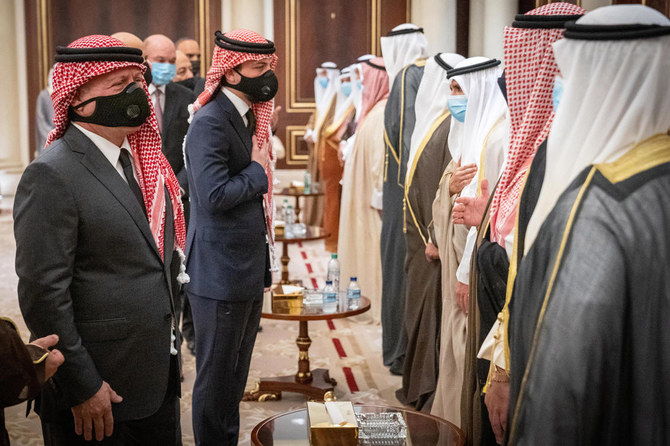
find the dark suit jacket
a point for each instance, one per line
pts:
(226, 249)
(89, 270)
(196, 84)
(175, 126)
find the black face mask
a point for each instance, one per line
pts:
(130, 108)
(259, 89)
(148, 77)
(195, 67)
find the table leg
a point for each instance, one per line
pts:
(297, 209)
(284, 264)
(304, 375)
(316, 384)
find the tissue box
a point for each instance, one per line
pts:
(332, 424)
(287, 299)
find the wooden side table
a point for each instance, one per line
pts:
(291, 192)
(316, 384)
(312, 233)
(292, 428)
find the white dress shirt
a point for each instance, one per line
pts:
(110, 150)
(241, 106)
(152, 91)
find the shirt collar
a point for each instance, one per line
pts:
(110, 150)
(153, 87)
(241, 106)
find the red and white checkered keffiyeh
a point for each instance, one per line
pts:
(151, 167)
(530, 69)
(223, 61)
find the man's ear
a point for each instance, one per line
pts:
(232, 77)
(76, 99)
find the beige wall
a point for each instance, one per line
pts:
(255, 15)
(487, 21)
(590, 5)
(438, 19)
(14, 151)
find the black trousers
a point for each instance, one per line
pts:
(187, 331)
(225, 333)
(163, 428)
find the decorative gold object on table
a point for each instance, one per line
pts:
(332, 424)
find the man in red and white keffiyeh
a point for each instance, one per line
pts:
(99, 226)
(223, 61)
(151, 167)
(530, 69)
(229, 161)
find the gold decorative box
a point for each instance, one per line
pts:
(287, 298)
(332, 424)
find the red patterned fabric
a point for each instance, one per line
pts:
(151, 167)
(376, 87)
(530, 69)
(223, 61)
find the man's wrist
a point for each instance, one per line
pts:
(500, 376)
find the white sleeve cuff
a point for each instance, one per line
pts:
(492, 348)
(376, 199)
(463, 271)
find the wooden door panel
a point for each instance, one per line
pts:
(309, 32)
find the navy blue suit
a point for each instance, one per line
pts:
(228, 262)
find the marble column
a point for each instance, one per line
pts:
(438, 19)
(14, 143)
(487, 21)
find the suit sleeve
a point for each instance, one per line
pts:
(45, 227)
(209, 152)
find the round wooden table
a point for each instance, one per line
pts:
(293, 192)
(316, 384)
(292, 428)
(312, 233)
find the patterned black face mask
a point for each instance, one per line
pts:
(259, 89)
(130, 108)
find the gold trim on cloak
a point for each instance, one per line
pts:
(440, 119)
(646, 155)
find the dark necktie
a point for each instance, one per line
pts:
(251, 121)
(124, 157)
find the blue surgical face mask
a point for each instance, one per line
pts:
(346, 88)
(359, 84)
(557, 93)
(457, 106)
(323, 81)
(163, 72)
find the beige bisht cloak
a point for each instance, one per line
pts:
(312, 211)
(360, 222)
(450, 240)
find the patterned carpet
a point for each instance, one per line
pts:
(350, 349)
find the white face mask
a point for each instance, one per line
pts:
(557, 92)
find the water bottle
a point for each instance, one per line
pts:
(284, 209)
(290, 221)
(329, 298)
(334, 272)
(308, 182)
(353, 294)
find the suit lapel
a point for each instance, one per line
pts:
(100, 167)
(235, 120)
